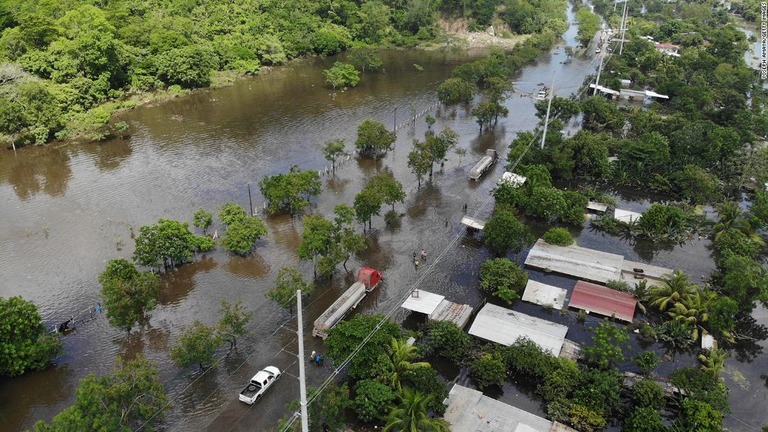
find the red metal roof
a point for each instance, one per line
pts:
(602, 300)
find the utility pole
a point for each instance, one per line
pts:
(250, 201)
(623, 27)
(549, 106)
(599, 69)
(302, 382)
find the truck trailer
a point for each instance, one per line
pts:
(367, 280)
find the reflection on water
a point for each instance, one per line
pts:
(36, 170)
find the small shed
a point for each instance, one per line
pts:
(505, 327)
(626, 215)
(545, 295)
(603, 300)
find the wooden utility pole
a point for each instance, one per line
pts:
(302, 382)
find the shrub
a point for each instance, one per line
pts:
(558, 237)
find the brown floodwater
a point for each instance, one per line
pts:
(65, 210)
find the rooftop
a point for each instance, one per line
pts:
(469, 411)
(505, 326)
(603, 300)
(545, 295)
(576, 261)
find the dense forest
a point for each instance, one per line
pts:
(67, 65)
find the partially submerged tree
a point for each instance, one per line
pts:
(503, 278)
(196, 345)
(389, 189)
(420, 160)
(333, 150)
(242, 230)
(290, 192)
(367, 204)
(288, 281)
(342, 75)
(128, 294)
(203, 219)
(505, 232)
(24, 342)
(168, 243)
(232, 321)
(606, 349)
(129, 398)
(374, 139)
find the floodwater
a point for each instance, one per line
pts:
(67, 210)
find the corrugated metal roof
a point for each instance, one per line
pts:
(454, 312)
(543, 294)
(603, 300)
(470, 411)
(505, 326)
(576, 261)
(422, 301)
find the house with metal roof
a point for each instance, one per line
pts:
(603, 300)
(505, 327)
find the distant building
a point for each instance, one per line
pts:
(668, 49)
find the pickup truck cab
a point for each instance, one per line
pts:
(259, 384)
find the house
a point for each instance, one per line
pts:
(668, 49)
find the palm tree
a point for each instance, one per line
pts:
(676, 287)
(402, 357)
(693, 310)
(730, 217)
(411, 414)
(713, 361)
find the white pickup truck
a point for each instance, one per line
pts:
(259, 384)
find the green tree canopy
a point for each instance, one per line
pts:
(288, 281)
(606, 349)
(503, 278)
(488, 370)
(242, 230)
(455, 91)
(128, 398)
(196, 345)
(373, 138)
(232, 321)
(128, 294)
(24, 344)
(168, 243)
(333, 150)
(372, 401)
(342, 75)
(505, 232)
(372, 360)
(290, 192)
(411, 414)
(446, 339)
